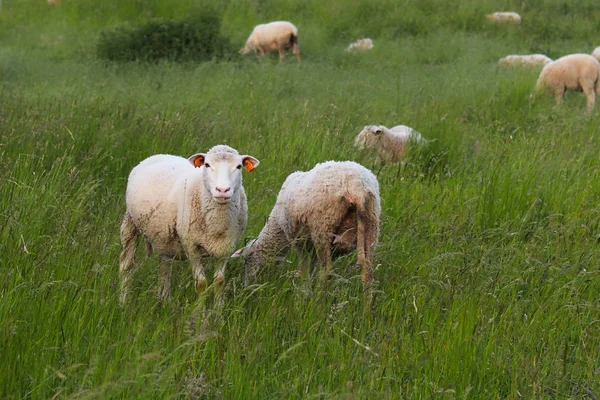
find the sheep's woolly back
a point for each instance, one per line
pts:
(315, 206)
(525, 60)
(504, 17)
(270, 35)
(361, 45)
(390, 144)
(596, 53)
(569, 73)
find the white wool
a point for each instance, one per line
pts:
(504, 17)
(274, 36)
(360, 45)
(578, 72)
(334, 207)
(596, 53)
(534, 60)
(390, 144)
(185, 208)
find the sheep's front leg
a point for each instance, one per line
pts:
(558, 95)
(325, 263)
(165, 265)
(198, 272)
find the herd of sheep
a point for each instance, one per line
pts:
(196, 208)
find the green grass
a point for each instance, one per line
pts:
(488, 263)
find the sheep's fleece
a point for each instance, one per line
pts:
(334, 207)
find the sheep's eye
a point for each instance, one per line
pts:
(239, 166)
(206, 165)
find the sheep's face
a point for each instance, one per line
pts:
(368, 136)
(223, 172)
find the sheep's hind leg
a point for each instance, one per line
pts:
(591, 96)
(165, 265)
(126, 260)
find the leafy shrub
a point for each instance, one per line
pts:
(196, 38)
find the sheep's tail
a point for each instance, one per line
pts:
(366, 237)
(128, 236)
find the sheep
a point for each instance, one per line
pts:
(573, 72)
(504, 17)
(332, 209)
(360, 45)
(596, 53)
(191, 208)
(274, 36)
(532, 60)
(390, 144)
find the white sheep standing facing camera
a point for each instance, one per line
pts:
(390, 144)
(192, 208)
(274, 36)
(332, 209)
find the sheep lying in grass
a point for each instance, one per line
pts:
(579, 72)
(360, 45)
(596, 53)
(274, 36)
(191, 208)
(390, 144)
(332, 209)
(502, 17)
(533, 60)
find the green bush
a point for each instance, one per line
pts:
(195, 38)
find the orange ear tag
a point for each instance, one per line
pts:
(248, 165)
(198, 161)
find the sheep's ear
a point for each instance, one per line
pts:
(197, 160)
(377, 131)
(250, 163)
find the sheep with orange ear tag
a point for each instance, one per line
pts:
(193, 208)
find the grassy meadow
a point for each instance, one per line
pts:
(488, 266)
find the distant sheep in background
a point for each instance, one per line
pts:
(572, 72)
(54, 2)
(505, 17)
(532, 60)
(360, 45)
(274, 36)
(596, 53)
(390, 144)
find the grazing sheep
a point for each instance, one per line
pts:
(191, 208)
(361, 45)
(390, 144)
(596, 53)
(54, 2)
(508, 17)
(579, 72)
(532, 60)
(332, 209)
(274, 36)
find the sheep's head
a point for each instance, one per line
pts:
(367, 136)
(252, 261)
(222, 168)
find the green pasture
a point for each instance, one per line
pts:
(488, 266)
